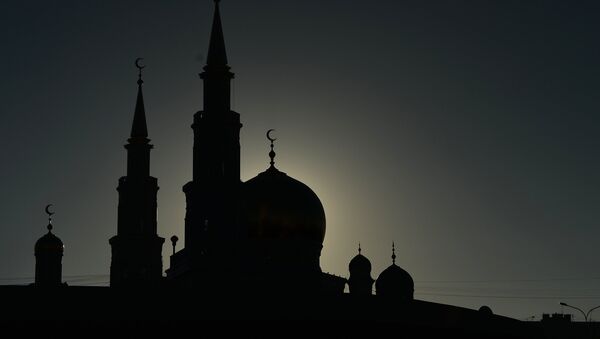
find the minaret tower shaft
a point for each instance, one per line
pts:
(137, 249)
(211, 196)
(217, 127)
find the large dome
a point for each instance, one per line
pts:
(277, 206)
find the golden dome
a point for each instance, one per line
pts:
(280, 207)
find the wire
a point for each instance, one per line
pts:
(510, 296)
(99, 283)
(505, 280)
(64, 276)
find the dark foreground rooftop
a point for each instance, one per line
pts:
(85, 311)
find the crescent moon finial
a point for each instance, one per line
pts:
(137, 63)
(272, 153)
(50, 213)
(271, 139)
(140, 68)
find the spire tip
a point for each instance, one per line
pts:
(139, 128)
(272, 153)
(140, 68)
(217, 54)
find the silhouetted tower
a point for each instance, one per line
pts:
(360, 281)
(137, 249)
(48, 257)
(394, 282)
(211, 196)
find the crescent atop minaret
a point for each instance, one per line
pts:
(137, 63)
(48, 210)
(271, 139)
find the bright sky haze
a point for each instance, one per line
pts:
(467, 132)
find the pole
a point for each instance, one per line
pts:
(576, 308)
(590, 311)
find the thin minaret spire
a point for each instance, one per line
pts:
(217, 76)
(139, 128)
(217, 54)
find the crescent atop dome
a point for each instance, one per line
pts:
(137, 63)
(271, 139)
(50, 213)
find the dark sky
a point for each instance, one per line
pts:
(465, 131)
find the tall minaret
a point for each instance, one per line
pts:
(137, 249)
(211, 195)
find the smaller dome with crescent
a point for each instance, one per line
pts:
(360, 281)
(395, 282)
(359, 265)
(49, 243)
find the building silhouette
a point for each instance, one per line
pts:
(252, 253)
(274, 222)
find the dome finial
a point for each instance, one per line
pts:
(393, 254)
(140, 68)
(272, 153)
(50, 213)
(359, 249)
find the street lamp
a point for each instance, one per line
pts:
(590, 311)
(585, 315)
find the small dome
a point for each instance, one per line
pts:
(395, 282)
(486, 310)
(49, 243)
(359, 265)
(277, 206)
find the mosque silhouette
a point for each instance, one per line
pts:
(274, 222)
(251, 251)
